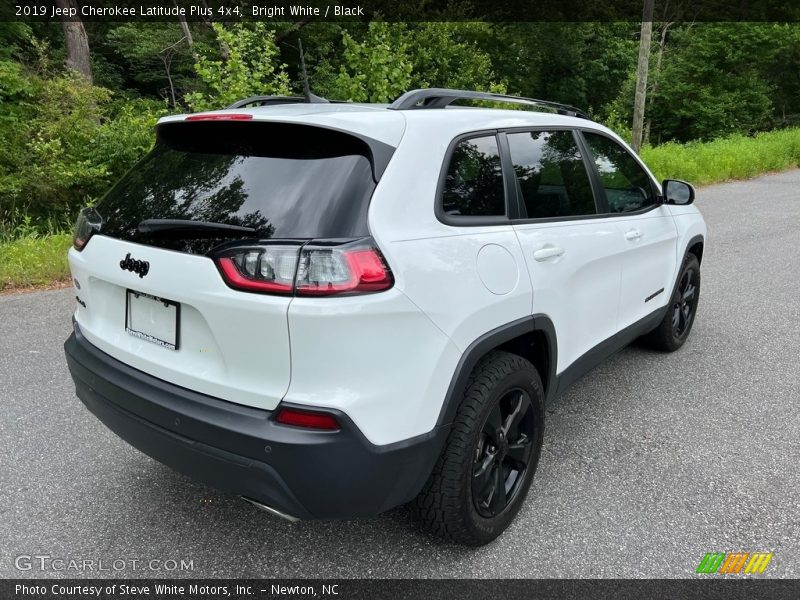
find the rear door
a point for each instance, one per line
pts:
(573, 255)
(150, 294)
(647, 230)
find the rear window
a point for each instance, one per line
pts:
(284, 180)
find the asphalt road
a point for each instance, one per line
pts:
(649, 462)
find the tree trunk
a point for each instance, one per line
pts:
(654, 89)
(641, 75)
(78, 56)
(187, 33)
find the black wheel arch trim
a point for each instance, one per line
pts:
(488, 342)
(694, 240)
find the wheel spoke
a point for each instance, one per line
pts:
(521, 404)
(482, 478)
(497, 502)
(682, 320)
(519, 452)
(689, 293)
(676, 317)
(494, 424)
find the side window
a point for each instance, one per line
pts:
(551, 175)
(474, 182)
(628, 188)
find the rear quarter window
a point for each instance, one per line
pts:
(473, 183)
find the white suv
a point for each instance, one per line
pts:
(332, 309)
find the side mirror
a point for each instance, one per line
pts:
(677, 191)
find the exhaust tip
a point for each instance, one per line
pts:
(270, 510)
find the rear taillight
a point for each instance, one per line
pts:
(88, 223)
(327, 271)
(308, 419)
(308, 270)
(266, 269)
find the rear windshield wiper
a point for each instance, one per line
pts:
(157, 225)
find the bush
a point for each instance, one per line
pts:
(733, 157)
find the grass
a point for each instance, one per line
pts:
(34, 260)
(725, 159)
(28, 258)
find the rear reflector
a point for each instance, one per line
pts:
(310, 420)
(220, 117)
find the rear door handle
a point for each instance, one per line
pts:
(547, 252)
(633, 234)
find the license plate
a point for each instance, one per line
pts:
(152, 318)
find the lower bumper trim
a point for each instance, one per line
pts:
(289, 471)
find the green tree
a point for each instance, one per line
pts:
(713, 82)
(392, 58)
(252, 67)
(377, 68)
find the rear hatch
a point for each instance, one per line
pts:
(149, 292)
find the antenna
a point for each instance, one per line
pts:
(310, 98)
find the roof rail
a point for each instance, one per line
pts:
(270, 100)
(442, 97)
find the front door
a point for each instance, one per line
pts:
(646, 229)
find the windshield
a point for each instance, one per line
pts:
(283, 180)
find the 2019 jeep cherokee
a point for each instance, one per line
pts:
(333, 309)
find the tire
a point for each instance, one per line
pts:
(674, 329)
(496, 436)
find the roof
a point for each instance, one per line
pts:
(381, 123)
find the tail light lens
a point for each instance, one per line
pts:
(88, 223)
(309, 270)
(308, 419)
(328, 271)
(268, 269)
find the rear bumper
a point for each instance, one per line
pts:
(240, 449)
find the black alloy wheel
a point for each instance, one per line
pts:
(481, 479)
(502, 453)
(679, 315)
(684, 304)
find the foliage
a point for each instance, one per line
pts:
(733, 157)
(252, 67)
(377, 68)
(392, 58)
(155, 56)
(73, 141)
(65, 142)
(714, 84)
